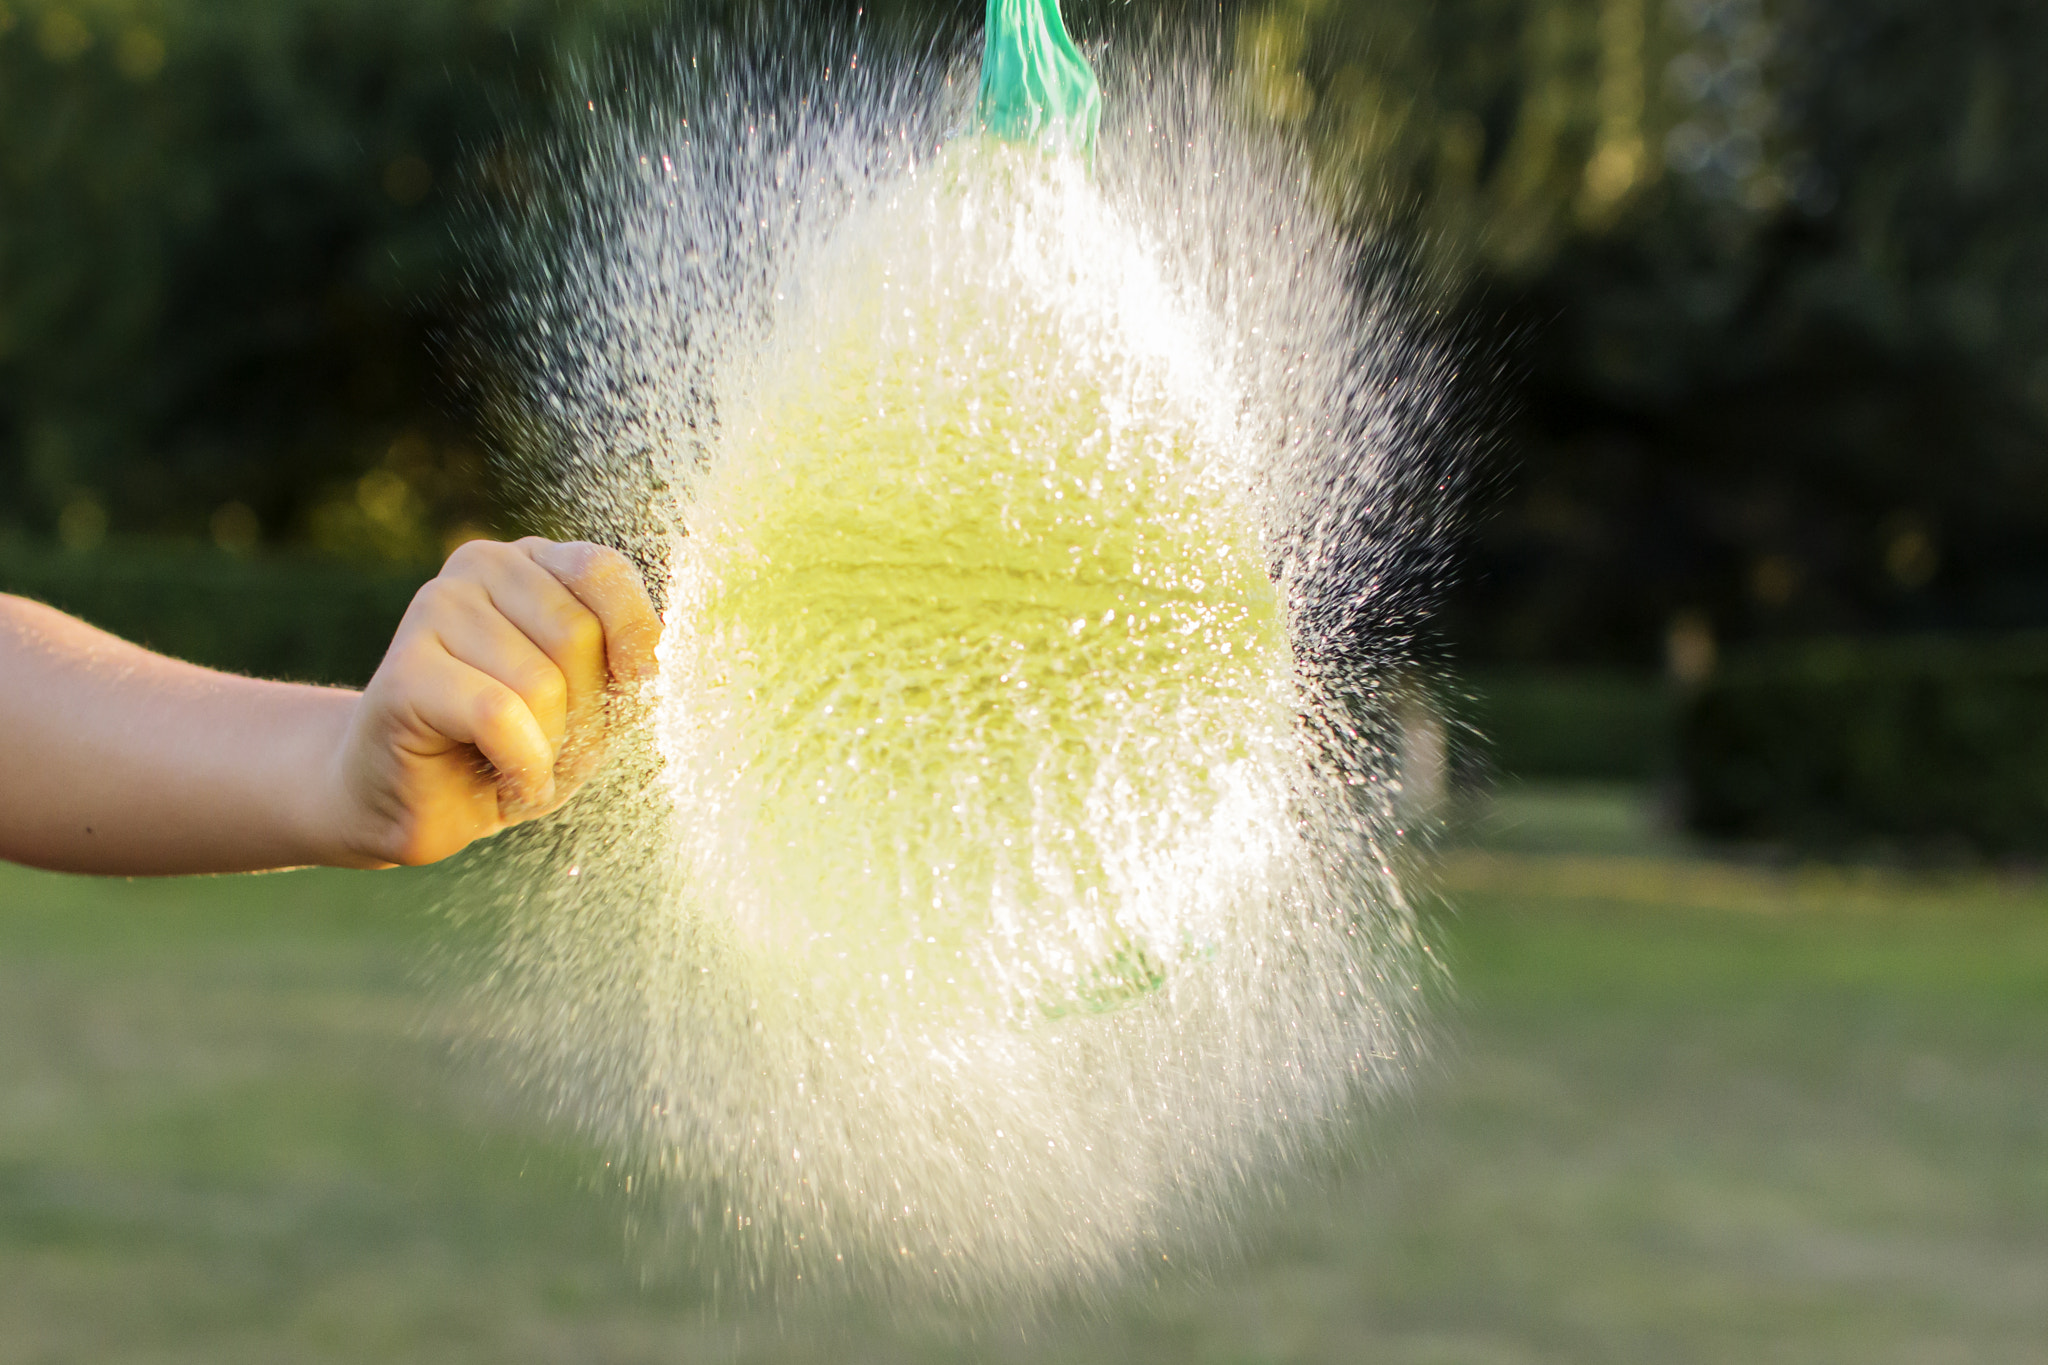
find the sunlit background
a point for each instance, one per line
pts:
(1741, 777)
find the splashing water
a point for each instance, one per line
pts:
(1004, 889)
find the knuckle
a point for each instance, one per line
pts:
(478, 561)
(603, 559)
(559, 558)
(430, 594)
(445, 597)
(577, 630)
(591, 561)
(544, 684)
(495, 709)
(468, 554)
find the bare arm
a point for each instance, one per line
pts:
(489, 708)
(113, 759)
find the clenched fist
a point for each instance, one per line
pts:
(490, 707)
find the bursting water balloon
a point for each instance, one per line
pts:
(1002, 885)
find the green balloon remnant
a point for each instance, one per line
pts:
(1036, 88)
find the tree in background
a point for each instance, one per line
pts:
(1491, 131)
(1776, 274)
(1770, 274)
(228, 258)
(240, 236)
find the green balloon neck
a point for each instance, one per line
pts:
(1036, 88)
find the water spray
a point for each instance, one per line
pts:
(1005, 887)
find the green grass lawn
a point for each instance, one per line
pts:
(1684, 1111)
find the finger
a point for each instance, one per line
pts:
(466, 705)
(606, 581)
(478, 634)
(536, 603)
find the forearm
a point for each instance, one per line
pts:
(117, 760)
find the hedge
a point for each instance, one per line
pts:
(308, 620)
(1567, 725)
(1925, 744)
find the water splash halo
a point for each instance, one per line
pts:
(978, 534)
(1178, 955)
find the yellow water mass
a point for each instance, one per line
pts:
(980, 689)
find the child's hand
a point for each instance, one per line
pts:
(490, 707)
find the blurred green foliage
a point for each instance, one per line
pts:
(228, 259)
(1761, 285)
(1776, 278)
(1588, 725)
(1912, 744)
